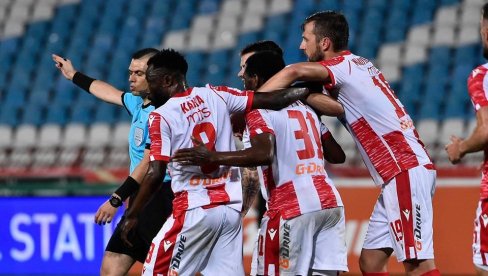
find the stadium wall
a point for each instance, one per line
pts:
(40, 238)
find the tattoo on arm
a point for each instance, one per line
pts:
(250, 188)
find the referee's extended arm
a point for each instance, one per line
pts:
(98, 88)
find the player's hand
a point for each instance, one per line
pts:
(454, 150)
(129, 224)
(105, 214)
(64, 65)
(197, 156)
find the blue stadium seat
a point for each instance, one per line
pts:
(160, 9)
(219, 58)
(33, 115)
(396, 25)
(410, 88)
(422, 14)
(56, 114)
(9, 114)
(246, 39)
(401, 4)
(85, 99)
(81, 113)
(66, 12)
(377, 4)
(105, 113)
(118, 78)
(64, 97)
(15, 94)
(9, 45)
(39, 95)
(154, 32)
(196, 59)
(327, 5)
(307, 6)
(449, 2)
(61, 26)
(36, 31)
(353, 5)
(136, 8)
(208, 6)
(466, 54)
(461, 72)
(435, 92)
(455, 105)
(429, 111)
(439, 56)
(437, 73)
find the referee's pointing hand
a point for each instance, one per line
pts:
(64, 65)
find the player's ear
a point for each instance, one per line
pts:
(167, 80)
(325, 44)
(257, 81)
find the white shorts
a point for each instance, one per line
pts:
(402, 216)
(480, 235)
(199, 240)
(313, 241)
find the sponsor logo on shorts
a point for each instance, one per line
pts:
(176, 260)
(285, 247)
(406, 212)
(418, 228)
(272, 233)
(484, 217)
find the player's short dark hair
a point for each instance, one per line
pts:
(484, 11)
(263, 45)
(170, 61)
(330, 24)
(264, 64)
(144, 52)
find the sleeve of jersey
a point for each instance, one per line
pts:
(478, 88)
(257, 121)
(130, 102)
(236, 100)
(324, 131)
(159, 134)
(336, 72)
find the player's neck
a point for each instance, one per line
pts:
(146, 101)
(180, 87)
(331, 54)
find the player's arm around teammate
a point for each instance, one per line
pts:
(306, 71)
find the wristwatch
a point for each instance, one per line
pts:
(115, 201)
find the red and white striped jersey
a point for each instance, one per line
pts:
(478, 92)
(201, 112)
(296, 182)
(376, 119)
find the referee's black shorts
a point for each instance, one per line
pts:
(152, 218)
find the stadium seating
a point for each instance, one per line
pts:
(425, 48)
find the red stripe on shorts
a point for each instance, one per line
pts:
(406, 212)
(163, 259)
(483, 230)
(272, 245)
